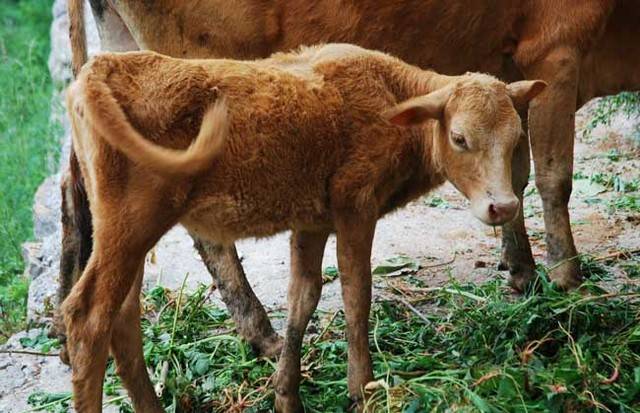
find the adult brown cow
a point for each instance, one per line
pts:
(582, 48)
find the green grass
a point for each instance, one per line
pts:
(27, 142)
(477, 348)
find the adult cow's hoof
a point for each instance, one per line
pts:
(566, 274)
(288, 403)
(521, 282)
(270, 346)
(57, 330)
(64, 355)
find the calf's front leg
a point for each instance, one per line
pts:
(516, 250)
(354, 239)
(305, 286)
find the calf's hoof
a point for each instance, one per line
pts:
(288, 403)
(566, 275)
(270, 346)
(366, 405)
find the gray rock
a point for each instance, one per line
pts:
(621, 125)
(42, 295)
(32, 256)
(46, 208)
(23, 374)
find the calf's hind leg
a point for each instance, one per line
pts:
(126, 347)
(305, 286)
(94, 304)
(246, 310)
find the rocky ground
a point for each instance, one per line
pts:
(435, 230)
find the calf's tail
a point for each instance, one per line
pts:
(107, 117)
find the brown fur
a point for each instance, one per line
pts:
(306, 149)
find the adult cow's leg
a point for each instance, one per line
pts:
(70, 250)
(69, 268)
(246, 310)
(516, 250)
(354, 239)
(552, 130)
(305, 287)
(113, 32)
(77, 242)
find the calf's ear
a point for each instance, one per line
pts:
(523, 91)
(419, 109)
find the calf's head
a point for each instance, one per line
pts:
(473, 130)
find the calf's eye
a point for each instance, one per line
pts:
(459, 140)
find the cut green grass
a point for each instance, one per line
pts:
(477, 348)
(28, 144)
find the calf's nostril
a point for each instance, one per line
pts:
(502, 211)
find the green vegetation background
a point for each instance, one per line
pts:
(28, 142)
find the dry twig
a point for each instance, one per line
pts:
(30, 353)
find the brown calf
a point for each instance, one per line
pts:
(233, 149)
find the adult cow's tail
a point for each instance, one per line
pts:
(77, 35)
(107, 117)
(80, 217)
